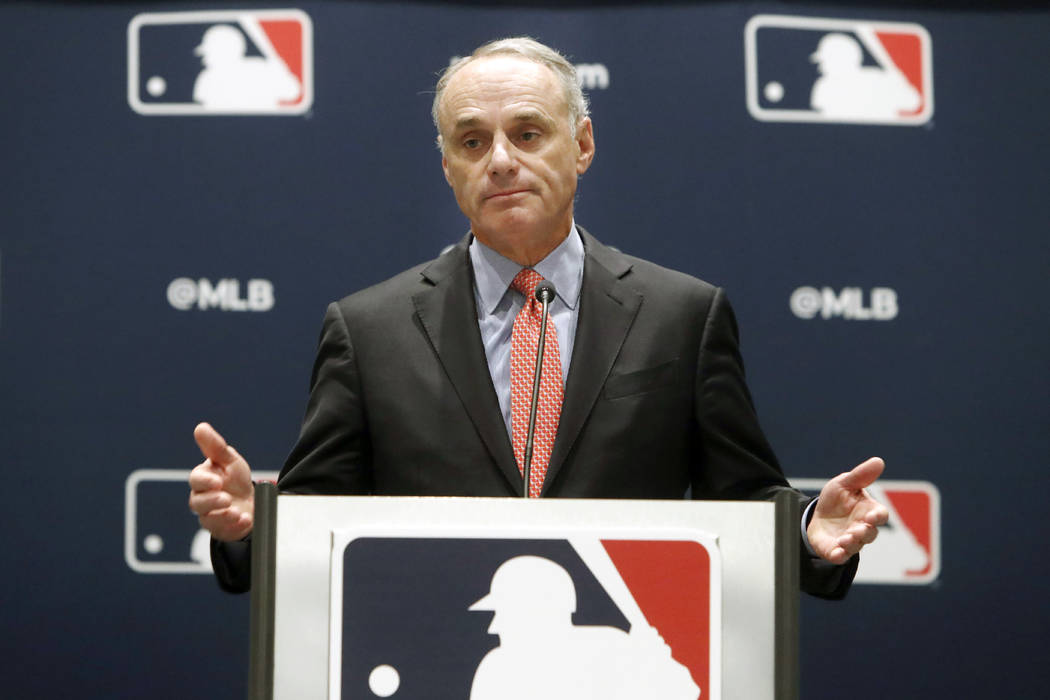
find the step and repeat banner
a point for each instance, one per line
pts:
(187, 185)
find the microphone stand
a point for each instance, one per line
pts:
(545, 295)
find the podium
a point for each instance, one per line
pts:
(364, 597)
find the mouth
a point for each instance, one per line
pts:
(508, 193)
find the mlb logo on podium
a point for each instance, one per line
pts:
(251, 62)
(812, 69)
(596, 616)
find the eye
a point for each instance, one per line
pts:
(471, 144)
(530, 136)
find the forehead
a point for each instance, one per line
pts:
(502, 83)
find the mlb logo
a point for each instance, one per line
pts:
(811, 69)
(249, 62)
(908, 548)
(599, 615)
(161, 535)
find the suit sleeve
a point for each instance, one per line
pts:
(736, 461)
(332, 455)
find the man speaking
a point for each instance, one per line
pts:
(422, 384)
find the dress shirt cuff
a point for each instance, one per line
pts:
(807, 515)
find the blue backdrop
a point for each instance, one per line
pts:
(161, 269)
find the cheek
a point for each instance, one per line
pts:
(461, 182)
(560, 172)
(565, 180)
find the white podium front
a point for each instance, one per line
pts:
(365, 597)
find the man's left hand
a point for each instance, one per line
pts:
(846, 518)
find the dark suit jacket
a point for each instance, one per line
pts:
(656, 405)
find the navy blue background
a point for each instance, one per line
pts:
(100, 208)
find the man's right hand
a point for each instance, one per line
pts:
(221, 490)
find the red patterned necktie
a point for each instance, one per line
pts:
(523, 346)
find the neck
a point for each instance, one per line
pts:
(527, 252)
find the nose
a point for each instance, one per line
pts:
(501, 159)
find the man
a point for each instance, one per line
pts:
(644, 395)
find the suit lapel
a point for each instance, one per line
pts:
(607, 309)
(448, 313)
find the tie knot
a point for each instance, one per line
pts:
(526, 282)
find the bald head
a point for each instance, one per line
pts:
(520, 47)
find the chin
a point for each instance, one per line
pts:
(512, 222)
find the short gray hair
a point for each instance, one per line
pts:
(532, 50)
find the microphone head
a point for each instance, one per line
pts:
(545, 291)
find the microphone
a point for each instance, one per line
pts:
(545, 295)
(545, 292)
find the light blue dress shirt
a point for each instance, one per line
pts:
(498, 305)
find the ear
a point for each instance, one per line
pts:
(444, 162)
(585, 144)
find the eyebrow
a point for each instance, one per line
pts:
(466, 123)
(530, 115)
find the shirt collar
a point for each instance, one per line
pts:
(563, 266)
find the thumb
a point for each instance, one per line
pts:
(863, 475)
(213, 446)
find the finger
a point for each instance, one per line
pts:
(245, 521)
(218, 518)
(852, 543)
(862, 475)
(877, 516)
(847, 546)
(838, 555)
(204, 477)
(859, 534)
(212, 445)
(228, 524)
(209, 502)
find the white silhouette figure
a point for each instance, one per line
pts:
(231, 81)
(543, 655)
(848, 90)
(200, 549)
(896, 552)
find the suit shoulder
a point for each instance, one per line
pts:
(648, 277)
(397, 291)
